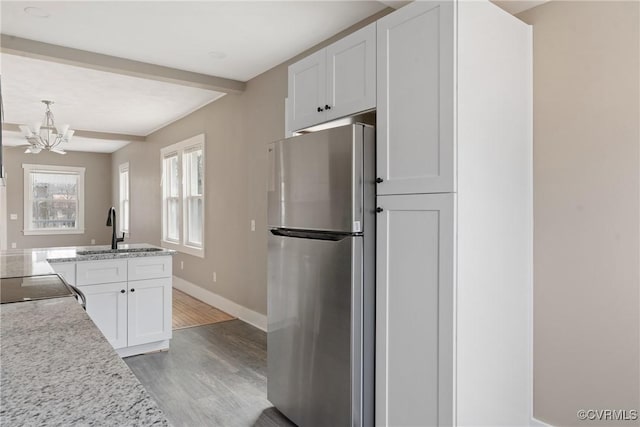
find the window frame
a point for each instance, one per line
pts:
(28, 169)
(180, 150)
(124, 168)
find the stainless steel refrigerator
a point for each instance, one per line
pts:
(321, 197)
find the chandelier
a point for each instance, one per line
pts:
(48, 136)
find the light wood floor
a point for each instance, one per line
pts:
(213, 375)
(189, 312)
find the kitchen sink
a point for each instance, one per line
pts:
(117, 251)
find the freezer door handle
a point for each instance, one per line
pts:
(311, 234)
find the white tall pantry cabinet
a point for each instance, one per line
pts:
(454, 233)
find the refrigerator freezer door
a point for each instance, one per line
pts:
(316, 180)
(314, 314)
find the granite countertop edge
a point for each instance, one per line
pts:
(38, 261)
(113, 255)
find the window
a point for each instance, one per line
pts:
(124, 198)
(53, 199)
(183, 196)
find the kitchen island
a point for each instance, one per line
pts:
(56, 367)
(128, 290)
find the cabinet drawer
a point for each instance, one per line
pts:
(105, 271)
(149, 267)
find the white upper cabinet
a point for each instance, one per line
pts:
(307, 82)
(337, 81)
(416, 92)
(351, 74)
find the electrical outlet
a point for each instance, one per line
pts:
(181, 265)
(13, 217)
(253, 225)
(93, 241)
(13, 246)
(215, 277)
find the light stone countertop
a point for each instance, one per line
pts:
(16, 264)
(58, 369)
(35, 262)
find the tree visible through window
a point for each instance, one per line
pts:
(53, 199)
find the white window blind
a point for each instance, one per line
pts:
(124, 198)
(194, 196)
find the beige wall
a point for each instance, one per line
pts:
(237, 129)
(586, 166)
(97, 197)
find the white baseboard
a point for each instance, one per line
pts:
(243, 313)
(537, 423)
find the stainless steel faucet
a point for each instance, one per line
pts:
(111, 222)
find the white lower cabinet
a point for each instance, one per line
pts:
(129, 300)
(414, 301)
(149, 311)
(107, 307)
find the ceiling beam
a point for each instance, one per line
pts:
(395, 4)
(113, 64)
(13, 127)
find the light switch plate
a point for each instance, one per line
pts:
(13, 216)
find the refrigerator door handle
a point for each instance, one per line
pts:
(307, 234)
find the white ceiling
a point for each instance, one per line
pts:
(231, 39)
(253, 36)
(94, 100)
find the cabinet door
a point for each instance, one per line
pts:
(307, 91)
(107, 307)
(67, 270)
(414, 310)
(415, 116)
(351, 73)
(149, 311)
